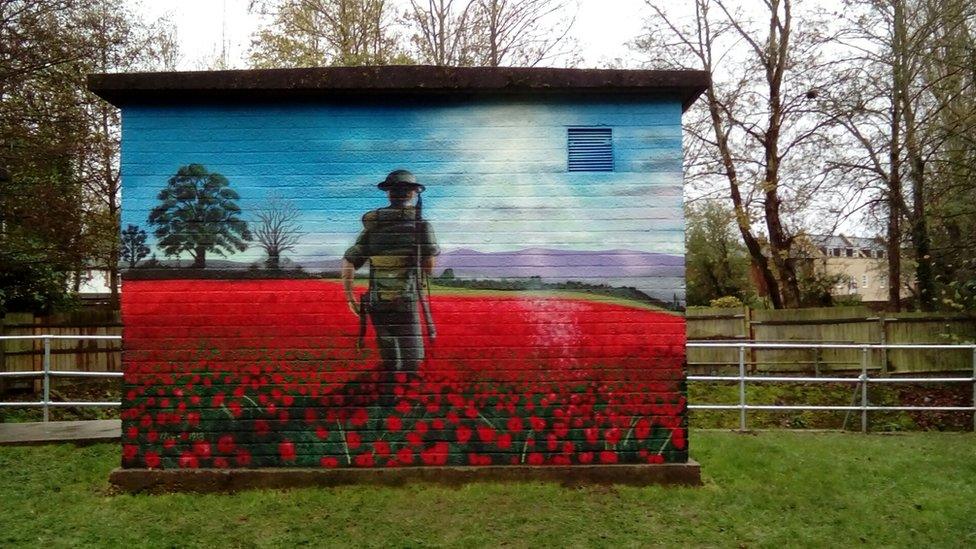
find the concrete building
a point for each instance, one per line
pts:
(860, 262)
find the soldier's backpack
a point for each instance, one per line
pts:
(392, 246)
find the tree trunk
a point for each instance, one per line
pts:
(894, 162)
(274, 261)
(199, 257)
(925, 283)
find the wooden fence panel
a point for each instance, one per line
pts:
(66, 354)
(829, 325)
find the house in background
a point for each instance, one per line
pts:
(861, 263)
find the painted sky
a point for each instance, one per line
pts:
(495, 171)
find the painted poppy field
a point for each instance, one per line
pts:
(266, 373)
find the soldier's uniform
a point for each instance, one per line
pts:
(391, 240)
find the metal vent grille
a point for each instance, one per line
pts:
(590, 149)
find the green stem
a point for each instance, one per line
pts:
(345, 446)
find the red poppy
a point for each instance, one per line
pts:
(436, 454)
(504, 441)
(592, 434)
(514, 424)
(405, 456)
(463, 434)
(402, 407)
(382, 448)
(352, 439)
(321, 432)
(359, 417)
(188, 461)
(201, 448)
(393, 423)
(225, 444)
(286, 449)
(152, 459)
(329, 462)
(129, 452)
(642, 429)
(485, 433)
(363, 460)
(243, 458)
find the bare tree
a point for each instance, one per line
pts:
(326, 32)
(277, 229)
(911, 112)
(759, 128)
(446, 32)
(524, 32)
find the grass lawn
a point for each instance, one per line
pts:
(766, 490)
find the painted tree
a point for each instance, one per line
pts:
(198, 213)
(133, 246)
(277, 229)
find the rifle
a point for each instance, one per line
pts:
(364, 305)
(421, 279)
(363, 313)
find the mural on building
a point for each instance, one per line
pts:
(465, 283)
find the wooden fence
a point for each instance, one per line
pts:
(66, 354)
(826, 325)
(830, 325)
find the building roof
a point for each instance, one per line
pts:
(842, 241)
(391, 81)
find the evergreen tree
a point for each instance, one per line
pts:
(134, 245)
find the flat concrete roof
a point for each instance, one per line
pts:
(391, 82)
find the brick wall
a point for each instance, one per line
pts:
(550, 296)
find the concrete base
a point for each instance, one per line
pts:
(232, 480)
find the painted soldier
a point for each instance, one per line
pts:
(400, 248)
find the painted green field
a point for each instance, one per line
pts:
(774, 489)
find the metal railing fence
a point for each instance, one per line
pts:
(47, 373)
(862, 380)
(743, 407)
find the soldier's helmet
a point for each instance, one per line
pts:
(400, 179)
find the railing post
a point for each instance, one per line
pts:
(864, 389)
(742, 388)
(47, 374)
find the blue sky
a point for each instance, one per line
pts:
(495, 171)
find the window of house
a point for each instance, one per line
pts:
(849, 252)
(836, 252)
(880, 254)
(590, 149)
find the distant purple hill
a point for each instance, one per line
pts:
(560, 264)
(546, 263)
